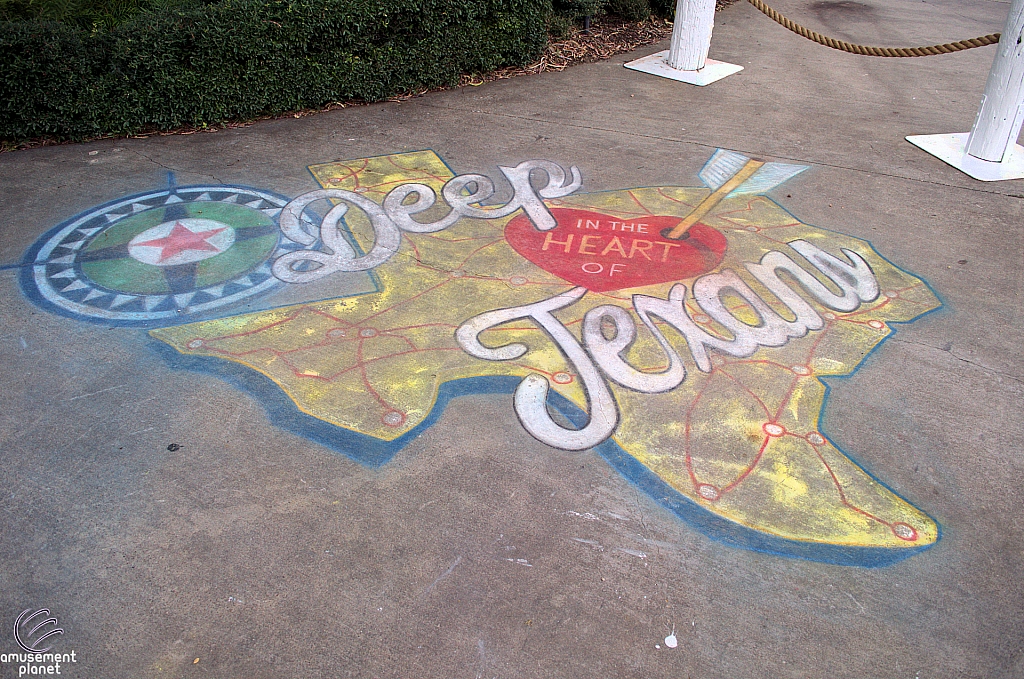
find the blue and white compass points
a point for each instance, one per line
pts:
(161, 257)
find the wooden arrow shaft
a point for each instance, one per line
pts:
(706, 205)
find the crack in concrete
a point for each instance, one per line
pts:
(640, 509)
(985, 368)
(439, 268)
(441, 577)
(174, 169)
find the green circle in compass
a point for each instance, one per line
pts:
(167, 256)
(179, 248)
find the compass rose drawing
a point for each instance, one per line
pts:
(161, 257)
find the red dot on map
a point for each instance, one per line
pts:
(195, 344)
(393, 418)
(518, 280)
(708, 492)
(367, 332)
(828, 316)
(335, 332)
(801, 370)
(816, 439)
(773, 429)
(701, 318)
(877, 325)
(335, 180)
(753, 229)
(891, 294)
(904, 531)
(562, 378)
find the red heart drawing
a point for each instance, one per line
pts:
(602, 253)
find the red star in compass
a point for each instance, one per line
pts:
(181, 239)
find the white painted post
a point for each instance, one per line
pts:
(691, 34)
(687, 59)
(1002, 106)
(990, 152)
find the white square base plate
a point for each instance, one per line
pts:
(950, 149)
(655, 64)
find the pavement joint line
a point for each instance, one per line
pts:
(984, 368)
(174, 169)
(715, 146)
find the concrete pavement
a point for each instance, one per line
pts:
(184, 510)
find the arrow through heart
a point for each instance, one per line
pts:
(603, 253)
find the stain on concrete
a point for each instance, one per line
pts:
(846, 10)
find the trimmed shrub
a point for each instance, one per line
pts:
(630, 10)
(239, 59)
(577, 9)
(559, 25)
(86, 13)
(663, 8)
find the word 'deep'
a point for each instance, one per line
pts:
(396, 215)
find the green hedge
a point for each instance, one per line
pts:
(239, 59)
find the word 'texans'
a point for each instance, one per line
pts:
(598, 358)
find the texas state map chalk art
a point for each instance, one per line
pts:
(682, 333)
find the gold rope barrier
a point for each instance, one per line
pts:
(947, 48)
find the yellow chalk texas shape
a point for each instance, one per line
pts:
(736, 449)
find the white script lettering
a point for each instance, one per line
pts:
(598, 355)
(395, 215)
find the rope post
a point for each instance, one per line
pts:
(687, 59)
(691, 34)
(990, 151)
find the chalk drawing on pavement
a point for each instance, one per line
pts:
(683, 332)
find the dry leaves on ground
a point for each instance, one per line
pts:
(605, 40)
